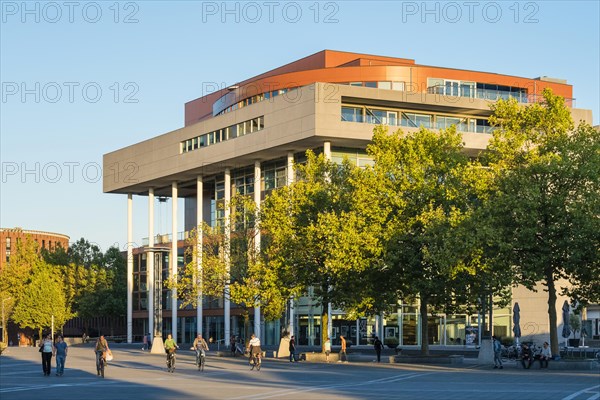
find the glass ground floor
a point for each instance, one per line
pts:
(401, 327)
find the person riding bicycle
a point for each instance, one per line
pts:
(101, 349)
(254, 348)
(200, 345)
(170, 347)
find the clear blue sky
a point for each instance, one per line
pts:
(87, 78)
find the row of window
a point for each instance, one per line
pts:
(389, 85)
(475, 90)
(446, 87)
(221, 135)
(253, 99)
(414, 120)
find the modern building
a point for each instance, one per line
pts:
(245, 138)
(45, 240)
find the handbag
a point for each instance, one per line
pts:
(109, 356)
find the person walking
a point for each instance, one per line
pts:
(292, 349)
(46, 348)
(327, 349)
(145, 343)
(378, 347)
(60, 352)
(232, 345)
(545, 355)
(343, 357)
(497, 345)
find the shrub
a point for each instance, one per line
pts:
(507, 341)
(391, 342)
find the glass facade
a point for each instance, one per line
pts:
(411, 119)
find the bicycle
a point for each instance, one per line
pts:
(509, 353)
(255, 361)
(171, 361)
(100, 363)
(200, 359)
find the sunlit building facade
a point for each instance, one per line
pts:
(245, 139)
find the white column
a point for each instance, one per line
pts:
(226, 301)
(327, 153)
(257, 191)
(199, 219)
(174, 259)
(150, 263)
(327, 150)
(290, 180)
(129, 269)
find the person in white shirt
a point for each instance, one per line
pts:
(545, 355)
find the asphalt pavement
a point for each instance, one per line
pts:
(137, 374)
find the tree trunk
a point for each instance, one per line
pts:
(552, 312)
(324, 326)
(424, 328)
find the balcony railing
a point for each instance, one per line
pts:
(409, 123)
(166, 238)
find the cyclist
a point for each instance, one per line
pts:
(201, 347)
(101, 349)
(170, 347)
(254, 348)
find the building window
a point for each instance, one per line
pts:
(352, 114)
(274, 175)
(221, 135)
(415, 120)
(243, 182)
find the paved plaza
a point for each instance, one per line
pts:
(135, 374)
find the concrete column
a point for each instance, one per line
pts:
(199, 219)
(174, 258)
(150, 264)
(257, 191)
(290, 180)
(327, 150)
(226, 301)
(327, 153)
(129, 269)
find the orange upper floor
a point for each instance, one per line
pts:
(354, 68)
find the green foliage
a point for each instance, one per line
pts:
(575, 323)
(95, 284)
(544, 206)
(43, 298)
(428, 192)
(16, 275)
(316, 237)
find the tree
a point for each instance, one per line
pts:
(16, 275)
(82, 252)
(315, 238)
(429, 189)
(95, 284)
(41, 300)
(230, 258)
(545, 204)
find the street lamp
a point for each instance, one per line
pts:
(4, 323)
